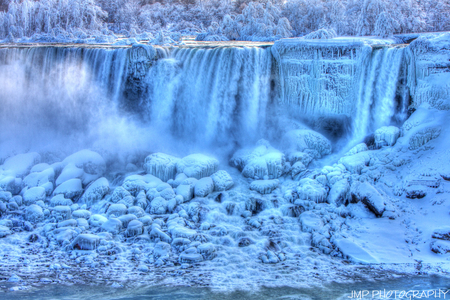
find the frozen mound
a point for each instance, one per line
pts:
(355, 163)
(71, 189)
(260, 162)
(91, 163)
(39, 177)
(311, 190)
(34, 195)
(222, 181)
(305, 140)
(424, 136)
(357, 149)
(86, 242)
(161, 165)
(386, 136)
(95, 191)
(19, 165)
(339, 193)
(369, 196)
(264, 186)
(204, 187)
(197, 166)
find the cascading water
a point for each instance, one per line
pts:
(217, 97)
(376, 103)
(211, 95)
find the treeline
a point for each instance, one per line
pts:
(221, 19)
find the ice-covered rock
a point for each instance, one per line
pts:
(415, 191)
(162, 251)
(222, 181)
(62, 212)
(367, 194)
(297, 170)
(167, 193)
(185, 190)
(422, 137)
(260, 162)
(179, 179)
(440, 246)
(161, 165)
(34, 213)
(5, 196)
(95, 191)
(86, 242)
(137, 211)
(71, 189)
(357, 149)
(119, 193)
(305, 139)
(126, 219)
(39, 178)
(204, 187)
(92, 164)
(264, 186)
(20, 165)
(339, 192)
(442, 233)
(355, 163)
(69, 172)
(207, 250)
(31, 196)
(81, 213)
(59, 200)
(197, 166)
(113, 226)
(310, 221)
(158, 206)
(117, 209)
(312, 190)
(97, 220)
(297, 156)
(386, 136)
(10, 184)
(134, 228)
(4, 231)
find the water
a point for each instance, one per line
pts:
(330, 291)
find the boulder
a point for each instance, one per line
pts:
(197, 166)
(204, 187)
(369, 196)
(306, 139)
(386, 136)
(161, 165)
(222, 181)
(264, 186)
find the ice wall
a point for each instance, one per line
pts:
(348, 78)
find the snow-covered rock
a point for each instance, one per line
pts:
(39, 178)
(367, 194)
(197, 165)
(423, 136)
(134, 228)
(71, 189)
(158, 206)
(312, 190)
(355, 163)
(260, 162)
(222, 181)
(185, 190)
(117, 209)
(386, 136)
(4, 231)
(442, 233)
(92, 164)
(264, 186)
(305, 139)
(161, 165)
(95, 191)
(34, 213)
(357, 149)
(339, 192)
(86, 242)
(440, 246)
(31, 196)
(20, 165)
(310, 221)
(204, 187)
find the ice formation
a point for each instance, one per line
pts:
(273, 191)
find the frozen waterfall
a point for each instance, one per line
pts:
(208, 97)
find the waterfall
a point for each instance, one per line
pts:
(208, 97)
(211, 95)
(376, 103)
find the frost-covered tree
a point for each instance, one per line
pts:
(386, 25)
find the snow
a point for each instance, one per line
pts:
(95, 191)
(264, 186)
(354, 252)
(204, 187)
(222, 181)
(303, 139)
(33, 195)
